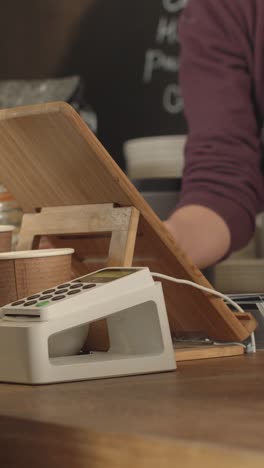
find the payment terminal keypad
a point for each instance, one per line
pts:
(50, 296)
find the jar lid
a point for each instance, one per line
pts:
(6, 197)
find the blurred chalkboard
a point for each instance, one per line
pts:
(127, 52)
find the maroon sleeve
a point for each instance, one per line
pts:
(223, 151)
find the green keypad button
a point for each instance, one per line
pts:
(43, 304)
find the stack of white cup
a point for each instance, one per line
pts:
(152, 157)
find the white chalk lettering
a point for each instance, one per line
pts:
(174, 6)
(157, 60)
(167, 30)
(172, 99)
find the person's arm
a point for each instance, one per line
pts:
(222, 182)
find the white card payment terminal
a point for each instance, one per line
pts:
(45, 332)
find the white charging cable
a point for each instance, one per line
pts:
(210, 291)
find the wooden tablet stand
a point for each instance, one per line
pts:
(49, 158)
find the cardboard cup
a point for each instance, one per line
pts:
(24, 273)
(6, 233)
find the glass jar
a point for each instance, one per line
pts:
(10, 213)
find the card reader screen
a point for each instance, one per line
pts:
(110, 274)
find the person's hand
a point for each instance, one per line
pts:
(201, 233)
(46, 243)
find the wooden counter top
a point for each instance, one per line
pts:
(217, 404)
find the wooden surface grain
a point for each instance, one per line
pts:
(26, 444)
(218, 401)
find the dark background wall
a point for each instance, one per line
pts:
(117, 46)
(35, 35)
